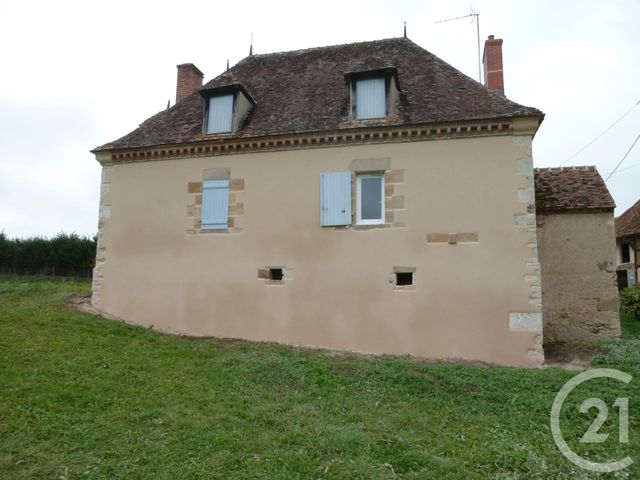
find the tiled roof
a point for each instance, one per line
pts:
(629, 222)
(571, 189)
(305, 91)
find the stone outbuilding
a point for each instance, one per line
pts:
(576, 250)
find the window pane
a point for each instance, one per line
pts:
(220, 114)
(371, 98)
(371, 198)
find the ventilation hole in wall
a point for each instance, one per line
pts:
(276, 274)
(404, 278)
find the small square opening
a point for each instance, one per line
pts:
(276, 274)
(404, 278)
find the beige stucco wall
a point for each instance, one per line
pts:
(476, 301)
(578, 261)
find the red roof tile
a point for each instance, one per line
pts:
(305, 91)
(629, 222)
(571, 189)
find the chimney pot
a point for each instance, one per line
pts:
(492, 61)
(189, 80)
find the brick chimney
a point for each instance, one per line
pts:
(492, 61)
(189, 80)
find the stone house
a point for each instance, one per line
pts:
(576, 249)
(365, 197)
(628, 246)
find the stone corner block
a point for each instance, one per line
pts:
(527, 322)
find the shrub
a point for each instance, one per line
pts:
(65, 254)
(630, 301)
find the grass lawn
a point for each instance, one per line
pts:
(83, 397)
(630, 326)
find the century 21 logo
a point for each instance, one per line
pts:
(592, 435)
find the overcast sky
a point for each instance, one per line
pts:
(77, 74)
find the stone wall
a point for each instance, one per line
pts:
(578, 263)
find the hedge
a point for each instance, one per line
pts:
(67, 255)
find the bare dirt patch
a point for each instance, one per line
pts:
(570, 356)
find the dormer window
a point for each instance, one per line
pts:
(374, 93)
(220, 118)
(226, 108)
(371, 98)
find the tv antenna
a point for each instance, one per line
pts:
(474, 17)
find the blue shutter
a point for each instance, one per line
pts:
(335, 199)
(371, 98)
(220, 114)
(215, 204)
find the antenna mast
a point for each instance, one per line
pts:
(476, 18)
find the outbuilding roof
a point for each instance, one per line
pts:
(571, 189)
(307, 91)
(629, 222)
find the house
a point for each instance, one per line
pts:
(576, 249)
(628, 246)
(365, 197)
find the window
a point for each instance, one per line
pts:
(625, 251)
(404, 278)
(370, 199)
(215, 204)
(220, 117)
(371, 98)
(276, 274)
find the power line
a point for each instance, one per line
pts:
(635, 165)
(598, 137)
(623, 158)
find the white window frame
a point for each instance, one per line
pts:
(369, 221)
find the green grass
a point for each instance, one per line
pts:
(82, 397)
(630, 326)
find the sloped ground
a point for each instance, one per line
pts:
(84, 397)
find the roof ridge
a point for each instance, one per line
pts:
(574, 168)
(324, 47)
